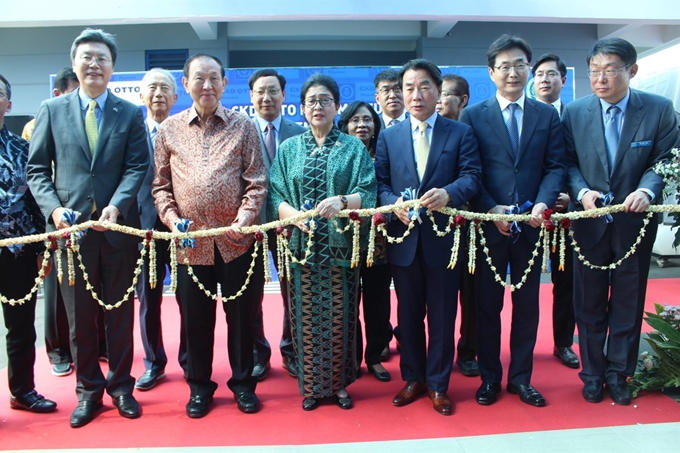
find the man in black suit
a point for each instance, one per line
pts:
(550, 75)
(159, 94)
(89, 155)
(438, 158)
(614, 137)
(389, 96)
(522, 147)
(267, 93)
(19, 216)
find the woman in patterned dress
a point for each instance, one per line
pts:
(329, 171)
(360, 120)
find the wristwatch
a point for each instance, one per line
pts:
(344, 201)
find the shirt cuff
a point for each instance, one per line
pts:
(650, 193)
(581, 194)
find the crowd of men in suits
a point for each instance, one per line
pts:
(94, 157)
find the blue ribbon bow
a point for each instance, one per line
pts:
(183, 226)
(407, 195)
(605, 200)
(308, 205)
(515, 226)
(71, 217)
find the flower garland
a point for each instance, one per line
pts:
(41, 276)
(472, 246)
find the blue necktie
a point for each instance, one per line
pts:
(611, 134)
(392, 123)
(513, 131)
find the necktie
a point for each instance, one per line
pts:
(392, 123)
(422, 149)
(270, 142)
(152, 134)
(91, 129)
(611, 134)
(513, 131)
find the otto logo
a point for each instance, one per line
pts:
(530, 90)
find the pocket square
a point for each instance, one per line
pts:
(641, 144)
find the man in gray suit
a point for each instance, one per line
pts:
(267, 93)
(159, 95)
(89, 155)
(613, 138)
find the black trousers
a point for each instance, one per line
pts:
(199, 320)
(467, 342)
(110, 271)
(563, 318)
(375, 294)
(18, 277)
(150, 300)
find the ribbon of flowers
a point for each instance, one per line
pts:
(472, 245)
(173, 264)
(377, 219)
(550, 232)
(41, 276)
(458, 223)
(308, 252)
(355, 223)
(151, 245)
(282, 258)
(565, 225)
(449, 224)
(261, 238)
(617, 263)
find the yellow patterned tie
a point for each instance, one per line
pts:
(422, 149)
(91, 126)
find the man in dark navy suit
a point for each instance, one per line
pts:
(438, 158)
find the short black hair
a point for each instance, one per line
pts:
(95, 35)
(462, 85)
(422, 64)
(348, 113)
(266, 73)
(614, 46)
(324, 80)
(61, 80)
(202, 55)
(550, 57)
(8, 87)
(388, 75)
(507, 42)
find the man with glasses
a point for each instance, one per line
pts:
(267, 93)
(389, 96)
(614, 137)
(19, 216)
(522, 148)
(550, 75)
(89, 156)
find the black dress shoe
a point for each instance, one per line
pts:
(385, 354)
(592, 391)
(32, 402)
(248, 402)
(344, 402)
(127, 406)
(619, 393)
(260, 370)
(84, 412)
(199, 406)
(567, 356)
(383, 376)
(469, 368)
(290, 365)
(527, 394)
(149, 379)
(309, 404)
(487, 393)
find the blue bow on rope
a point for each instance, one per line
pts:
(515, 226)
(183, 226)
(605, 200)
(308, 205)
(70, 216)
(407, 195)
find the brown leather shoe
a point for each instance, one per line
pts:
(440, 402)
(411, 391)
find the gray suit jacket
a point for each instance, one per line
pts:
(649, 131)
(288, 129)
(111, 177)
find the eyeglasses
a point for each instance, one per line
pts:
(323, 102)
(385, 91)
(505, 69)
(548, 74)
(608, 73)
(271, 92)
(100, 60)
(355, 120)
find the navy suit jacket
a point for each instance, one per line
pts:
(147, 209)
(538, 172)
(453, 164)
(649, 132)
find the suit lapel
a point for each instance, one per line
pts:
(440, 133)
(76, 118)
(492, 113)
(112, 111)
(631, 123)
(406, 137)
(595, 130)
(529, 120)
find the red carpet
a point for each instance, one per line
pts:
(283, 422)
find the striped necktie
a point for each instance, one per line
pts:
(611, 134)
(513, 130)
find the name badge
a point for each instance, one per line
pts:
(641, 144)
